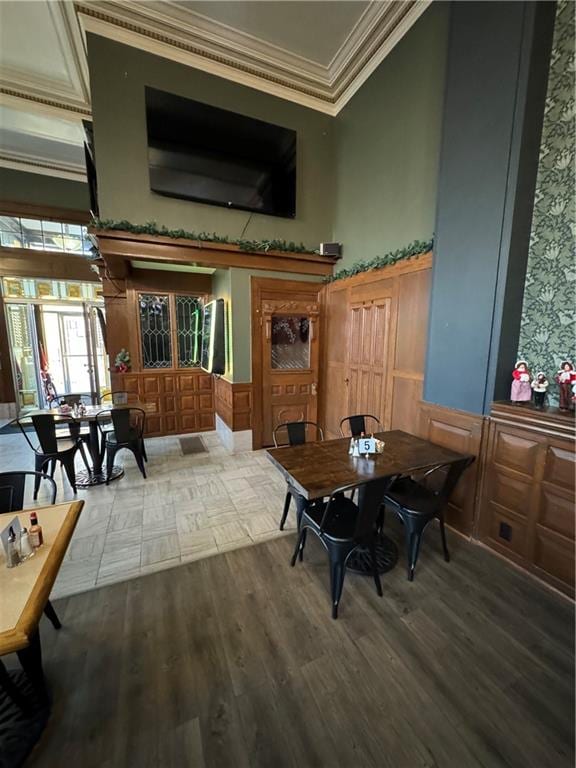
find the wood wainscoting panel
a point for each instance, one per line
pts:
(179, 402)
(462, 432)
(233, 403)
(526, 510)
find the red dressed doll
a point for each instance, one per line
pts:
(521, 391)
(566, 378)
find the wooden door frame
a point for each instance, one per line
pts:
(258, 287)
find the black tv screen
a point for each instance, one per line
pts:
(210, 155)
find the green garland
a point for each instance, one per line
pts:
(151, 228)
(417, 248)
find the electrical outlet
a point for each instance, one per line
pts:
(505, 532)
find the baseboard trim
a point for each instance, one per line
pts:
(235, 442)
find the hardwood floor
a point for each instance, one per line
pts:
(234, 661)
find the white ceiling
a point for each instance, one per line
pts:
(313, 52)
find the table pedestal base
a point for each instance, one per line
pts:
(386, 557)
(86, 479)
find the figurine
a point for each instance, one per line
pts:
(565, 378)
(540, 384)
(521, 391)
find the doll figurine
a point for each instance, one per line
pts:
(565, 378)
(521, 391)
(540, 386)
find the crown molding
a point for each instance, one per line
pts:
(166, 29)
(20, 161)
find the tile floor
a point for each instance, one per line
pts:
(190, 507)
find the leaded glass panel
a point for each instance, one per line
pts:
(188, 331)
(155, 331)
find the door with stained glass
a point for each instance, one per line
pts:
(24, 353)
(289, 349)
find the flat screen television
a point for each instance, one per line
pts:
(213, 351)
(210, 155)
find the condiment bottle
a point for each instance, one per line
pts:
(12, 556)
(35, 532)
(25, 545)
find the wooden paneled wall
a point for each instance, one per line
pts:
(462, 432)
(178, 401)
(233, 403)
(374, 330)
(527, 505)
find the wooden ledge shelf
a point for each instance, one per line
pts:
(117, 248)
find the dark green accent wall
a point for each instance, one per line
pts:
(37, 189)
(118, 76)
(388, 145)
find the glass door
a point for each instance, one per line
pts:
(24, 354)
(97, 330)
(66, 333)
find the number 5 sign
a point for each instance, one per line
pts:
(367, 445)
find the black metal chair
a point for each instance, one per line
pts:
(296, 435)
(342, 526)
(360, 424)
(417, 504)
(12, 489)
(51, 449)
(127, 432)
(116, 397)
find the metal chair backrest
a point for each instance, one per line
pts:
(296, 431)
(12, 487)
(45, 427)
(370, 498)
(453, 475)
(128, 423)
(118, 397)
(77, 398)
(357, 424)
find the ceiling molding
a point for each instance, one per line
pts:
(166, 29)
(33, 164)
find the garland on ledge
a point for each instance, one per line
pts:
(417, 248)
(151, 228)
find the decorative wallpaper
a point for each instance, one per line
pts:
(547, 334)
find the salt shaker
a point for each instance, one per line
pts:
(12, 556)
(26, 550)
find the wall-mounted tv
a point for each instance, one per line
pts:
(213, 352)
(210, 155)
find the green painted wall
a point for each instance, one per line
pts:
(388, 144)
(547, 332)
(118, 76)
(37, 189)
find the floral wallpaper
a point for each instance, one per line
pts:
(547, 334)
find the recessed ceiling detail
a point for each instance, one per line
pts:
(175, 31)
(315, 53)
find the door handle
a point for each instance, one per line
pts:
(346, 381)
(314, 388)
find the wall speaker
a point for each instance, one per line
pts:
(331, 249)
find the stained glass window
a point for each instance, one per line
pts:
(155, 331)
(188, 331)
(290, 342)
(40, 235)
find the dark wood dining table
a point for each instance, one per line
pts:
(317, 469)
(97, 475)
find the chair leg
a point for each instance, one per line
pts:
(39, 463)
(375, 573)
(337, 573)
(413, 539)
(68, 464)
(139, 460)
(110, 456)
(144, 454)
(84, 457)
(301, 537)
(302, 544)
(443, 536)
(52, 468)
(12, 689)
(286, 508)
(51, 614)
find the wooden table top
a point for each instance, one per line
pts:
(91, 410)
(318, 469)
(25, 589)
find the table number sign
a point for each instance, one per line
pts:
(365, 446)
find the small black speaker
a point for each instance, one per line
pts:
(331, 249)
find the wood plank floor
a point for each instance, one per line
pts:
(234, 661)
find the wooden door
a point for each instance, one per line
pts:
(368, 357)
(289, 354)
